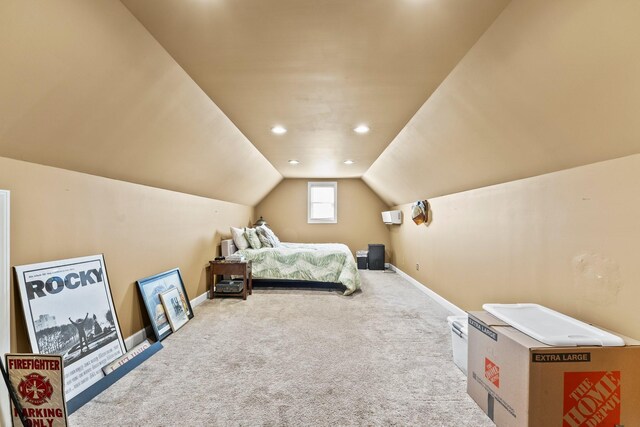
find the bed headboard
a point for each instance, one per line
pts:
(228, 247)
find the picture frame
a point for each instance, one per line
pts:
(174, 308)
(150, 289)
(68, 310)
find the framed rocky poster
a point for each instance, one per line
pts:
(69, 310)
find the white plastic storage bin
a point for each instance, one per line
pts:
(552, 328)
(459, 340)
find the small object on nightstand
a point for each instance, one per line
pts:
(219, 258)
(229, 286)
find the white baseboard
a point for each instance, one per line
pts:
(449, 306)
(199, 299)
(138, 337)
(142, 334)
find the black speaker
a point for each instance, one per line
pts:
(376, 257)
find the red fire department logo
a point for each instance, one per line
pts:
(591, 399)
(35, 389)
(492, 372)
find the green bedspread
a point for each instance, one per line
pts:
(319, 262)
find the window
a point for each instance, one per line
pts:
(323, 203)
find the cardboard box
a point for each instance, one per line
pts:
(518, 381)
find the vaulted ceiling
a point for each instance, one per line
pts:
(182, 94)
(318, 68)
(551, 85)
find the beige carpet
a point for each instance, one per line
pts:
(300, 358)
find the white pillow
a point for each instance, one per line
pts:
(252, 237)
(266, 243)
(241, 242)
(273, 239)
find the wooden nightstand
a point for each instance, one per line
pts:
(220, 268)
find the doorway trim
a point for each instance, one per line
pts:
(5, 299)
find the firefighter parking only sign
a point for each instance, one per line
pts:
(39, 384)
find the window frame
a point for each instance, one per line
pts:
(326, 184)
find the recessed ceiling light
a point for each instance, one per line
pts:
(348, 162)
(278, 130)
(293, 162)
(361, 129)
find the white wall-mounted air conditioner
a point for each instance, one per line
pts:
(392, 217)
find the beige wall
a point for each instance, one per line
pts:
(568, 240)
(359, 220)
(85, 87)
(57, 214)
(552, 84)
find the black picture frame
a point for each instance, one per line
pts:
(53, 294)
(150, 289)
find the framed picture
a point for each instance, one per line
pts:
(69, 311)
(174, 308)
(150, 290)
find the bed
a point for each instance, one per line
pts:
(306, 262)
